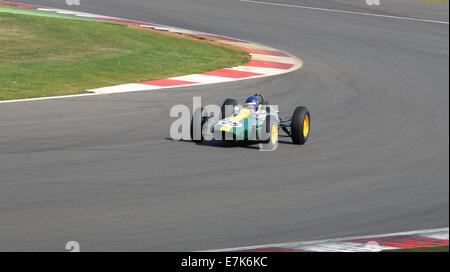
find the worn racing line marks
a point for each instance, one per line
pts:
(265, 61)
(374, 243)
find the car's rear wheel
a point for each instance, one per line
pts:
(227, 108)
(300, 126)
(197, 123)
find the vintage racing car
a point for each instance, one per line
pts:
(260, 124)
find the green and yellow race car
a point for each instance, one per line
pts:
(256, 121)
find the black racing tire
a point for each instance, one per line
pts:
(231, 103)
(300, 126)
(228, 102)
(197, 123)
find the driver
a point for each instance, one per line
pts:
(252, 103)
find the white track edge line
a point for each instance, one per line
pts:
(346, 12)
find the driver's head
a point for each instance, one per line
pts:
(252, 103)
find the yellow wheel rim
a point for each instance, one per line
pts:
(306, 126)
(274, 133)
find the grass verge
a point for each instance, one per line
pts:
(45, 56)
(422, 249)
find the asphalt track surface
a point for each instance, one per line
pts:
(103, 171)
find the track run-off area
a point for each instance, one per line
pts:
(103, 171)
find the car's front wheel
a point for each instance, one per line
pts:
(300, 126)
(270, 133)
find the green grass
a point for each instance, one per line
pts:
(422, 249)
(31, 11)
(44, 56)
